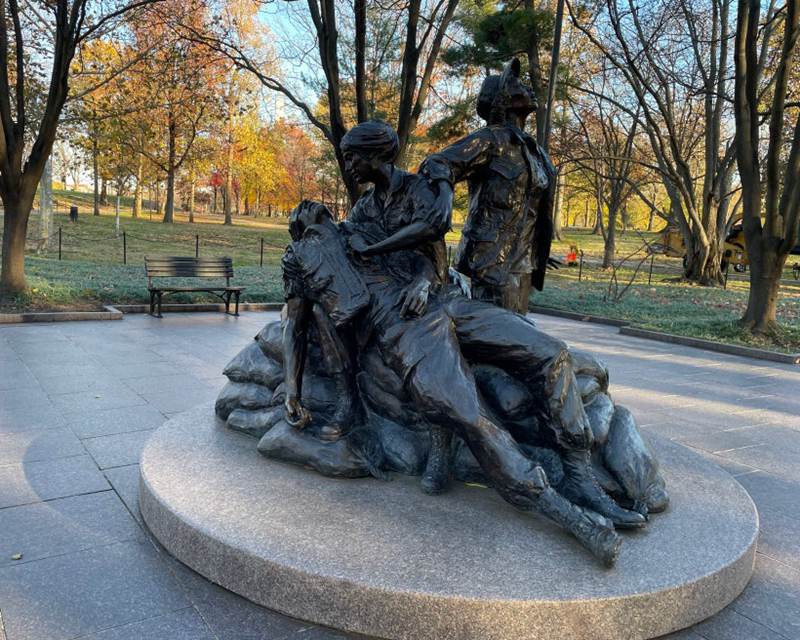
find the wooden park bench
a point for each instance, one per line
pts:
(188, 267)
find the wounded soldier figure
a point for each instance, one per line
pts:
(381, 356)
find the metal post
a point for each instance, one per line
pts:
(59, 243)
(197, 246)
(580, 267)
(261, 260)
(124, 248)
(650, 275)
(727, 268)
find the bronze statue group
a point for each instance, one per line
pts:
(384, 363)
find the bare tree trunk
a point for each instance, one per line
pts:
(610, 246)
(551, 84)
(95, 175)
(46, 204)
(169, 205)
(558, 214)
(192, 187)
(536, 77)
(360, 11)
(226, 205)
(137, 193)
(104, 192)
(227, 196)
(599, 230)
(762, 302)
(15, 229)
(777, 200)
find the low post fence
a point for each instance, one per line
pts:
(73, 242)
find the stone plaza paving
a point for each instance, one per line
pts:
(78, 401)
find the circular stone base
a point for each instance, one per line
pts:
(384, 559)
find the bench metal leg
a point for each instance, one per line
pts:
(237, 303)
(159, 306)
(228, 302)
(152, 303)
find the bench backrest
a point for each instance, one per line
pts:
(188, 267)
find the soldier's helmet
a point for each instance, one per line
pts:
(504, 92)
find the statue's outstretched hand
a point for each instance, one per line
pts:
(414, 298)
(296, 414)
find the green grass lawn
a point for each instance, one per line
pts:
(91, 273)
(670, 306)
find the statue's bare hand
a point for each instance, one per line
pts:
(296, 414)
(444, 199)
(539, 480)
(414, 298)
(358, 244)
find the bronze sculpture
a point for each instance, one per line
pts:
(406, 358)
(505, 243)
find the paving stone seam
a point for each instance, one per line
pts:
(760, 624)
(129, 622)
(160, 551)
(72, 495)
(5, 465)
(116, 433)
(778, 561)
(125, 504)
(71, 552)
(766, 626)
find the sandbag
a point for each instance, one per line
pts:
(318, 394)
(254, 423)
(270, 339)
(385, 404)
(589, 387)
(381, 374)
(632, 463)
(600, 411)
(241, 395)
(251, 365)
(506, 395)
(404, 451)
(334, 459)
(586, 364)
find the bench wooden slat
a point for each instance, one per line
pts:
(190, 273)
(199, 289)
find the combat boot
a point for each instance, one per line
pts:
(592, 530)
(343, 416)
(436, 476)
(581, 487)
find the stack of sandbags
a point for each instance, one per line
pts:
(248, 402)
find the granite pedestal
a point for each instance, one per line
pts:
(386, 560)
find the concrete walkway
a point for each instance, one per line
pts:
(78, 400)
